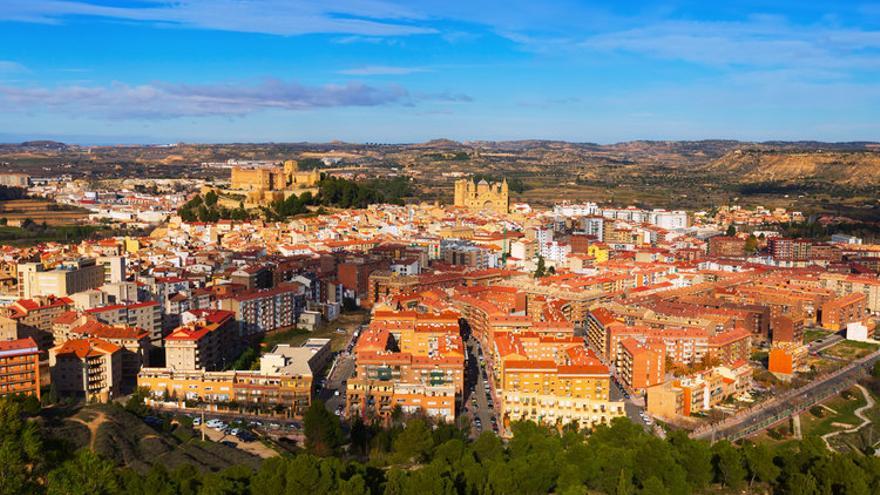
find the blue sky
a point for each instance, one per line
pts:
(100, 71)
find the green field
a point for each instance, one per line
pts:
(849, 349)
(843, 413)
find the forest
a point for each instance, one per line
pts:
(410, 455)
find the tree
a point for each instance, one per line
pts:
(85, 474)
(322, 430)
(211, 198)
(696, 458)
(875, 371)
(20, 448)
(624, 483)
(729, 470)
(751, 244)
(414, 443)
(540, 270)
(731, 231)
(759, 461)
(801, 484)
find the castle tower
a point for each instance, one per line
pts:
(291, 167)
(461, 189)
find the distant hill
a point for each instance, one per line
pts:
(849, 168)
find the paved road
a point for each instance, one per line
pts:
(337, 382)
(475, 389)
(824, 343)
(338, 379)
(771, 412)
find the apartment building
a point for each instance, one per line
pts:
(66, 278)
(133, 342)
(639, 365)
(790, 249)
(836, 313)
(411, 360)
(557, 395)
(145, 315)
(19, 367)
(210, 343)
(33, 318)
(262, 311)
(87, 368)
(285, 380)
(699, 392)
(727, 247)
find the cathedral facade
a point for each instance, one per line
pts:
(482, 196)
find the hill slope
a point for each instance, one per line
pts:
(850, 168)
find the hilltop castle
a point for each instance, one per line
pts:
(482, 195)
(264, 185)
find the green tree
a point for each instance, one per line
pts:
(729, 470)
(731, 231)
(322, 430)
(211, 198)
(85, 474)
(695, 457)
(624, 483)
(540, 270)
(759, 461)
(751, 244)
(20, 448)
(414, 443)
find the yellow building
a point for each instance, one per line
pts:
(482, 195)
(264, 185)
(599, 252)
(557, 395)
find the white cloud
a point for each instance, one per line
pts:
(7, 66)
(163, 101)
(382, 70)
(279, 17)
(167, 101)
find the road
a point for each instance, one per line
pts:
(824, 343)
(780, 408)
(475, 390)
(631, 404)
(339, 374)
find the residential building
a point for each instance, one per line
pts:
(87, 368)
(19, 367)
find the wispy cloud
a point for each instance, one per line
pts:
(761, 41)
(165, 101)
(382, 70)
(279, 17)
(7, 66)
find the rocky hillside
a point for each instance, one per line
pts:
(845, 168)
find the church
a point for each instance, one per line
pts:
(482, 196)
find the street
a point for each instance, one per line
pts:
(476, 398)
(764, 415)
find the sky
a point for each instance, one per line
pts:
(397, 71)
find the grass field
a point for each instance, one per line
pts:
(864, 440)
(849, 349)
(843, 413)
(347, 321)
(811, 335)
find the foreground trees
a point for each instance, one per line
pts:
(412, 456)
